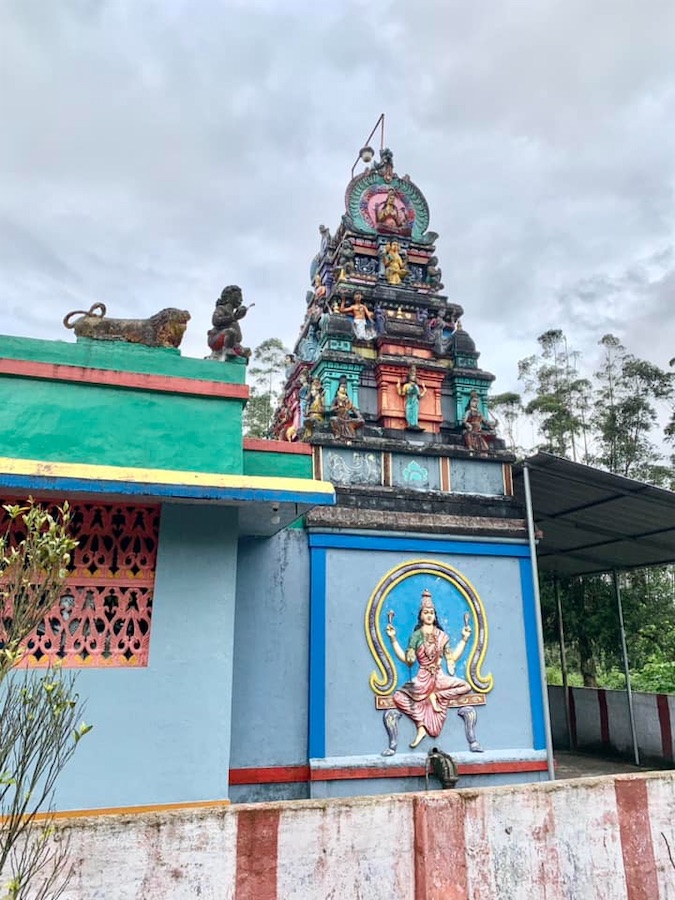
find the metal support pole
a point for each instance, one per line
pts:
(624, 649)
(563, 662)
(540, 627)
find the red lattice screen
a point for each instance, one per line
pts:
(103, 617)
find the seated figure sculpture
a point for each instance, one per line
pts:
(474, 424)
(224, 339)
(395, 269)
(345, 417)
(426, 697)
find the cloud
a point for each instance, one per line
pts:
(154, 152)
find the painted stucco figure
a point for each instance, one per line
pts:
(320, 291)
(474, 421)
(165, 329)
(224, 339)
(426, 697)
(315, 408)
(434, 274)
(388, 213)
(412, 391)
(441, 331)
(345, 420)
(362, 316)
(395, 269)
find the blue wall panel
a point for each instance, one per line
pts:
(271, 654)
(162, 733)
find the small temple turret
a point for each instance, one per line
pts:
(378, 323)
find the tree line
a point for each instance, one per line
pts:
(618, 418)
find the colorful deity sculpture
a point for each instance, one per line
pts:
(440, 331)
(474, 421)
(395, 269)
(315, 407)
(412, 392)
(345, 420)
(361, 315)
(426, 697)
(388, 215)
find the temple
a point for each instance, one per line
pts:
(315, 615)
(426, 545)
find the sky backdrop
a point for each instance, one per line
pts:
(153, 151)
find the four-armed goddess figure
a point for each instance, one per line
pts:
(426, 697)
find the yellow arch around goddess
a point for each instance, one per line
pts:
(383, 681)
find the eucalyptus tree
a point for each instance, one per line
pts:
(625, 414)
(559, 395)
(507, 409)
(266, 374)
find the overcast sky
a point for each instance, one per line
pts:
(153, 151)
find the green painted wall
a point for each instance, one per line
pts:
(281, 465)
(62, 421)
(70, 422)
(122, 357)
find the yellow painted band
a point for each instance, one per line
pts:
(131, 810)
(44, 469)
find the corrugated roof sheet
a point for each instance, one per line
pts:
(593, 521)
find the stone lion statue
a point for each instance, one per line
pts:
(165, 329)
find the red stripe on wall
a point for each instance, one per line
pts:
(257, 846)
(604, 716)
(113, 378)
(637, 850)
(666, 729)
(277, 446)
(270, 775)
(440, 850)
(297, 774)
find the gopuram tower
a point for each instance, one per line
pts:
(384, 381)
(420, 630)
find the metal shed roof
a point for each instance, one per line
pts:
(592, 521)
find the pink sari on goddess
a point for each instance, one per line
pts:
(413, 697)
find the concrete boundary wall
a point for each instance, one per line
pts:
(608, 838)
(599, 720)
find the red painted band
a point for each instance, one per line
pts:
(666, 729)
(604, 716)
(297, 774)
(169, 384)
(277, 446)
(441, 871)
(270, 775)
(257, 851)
(639, 865)
(496, 768)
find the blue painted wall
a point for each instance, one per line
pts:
(302, 664)
(162, 733)
(271, 654)
(350, 725)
